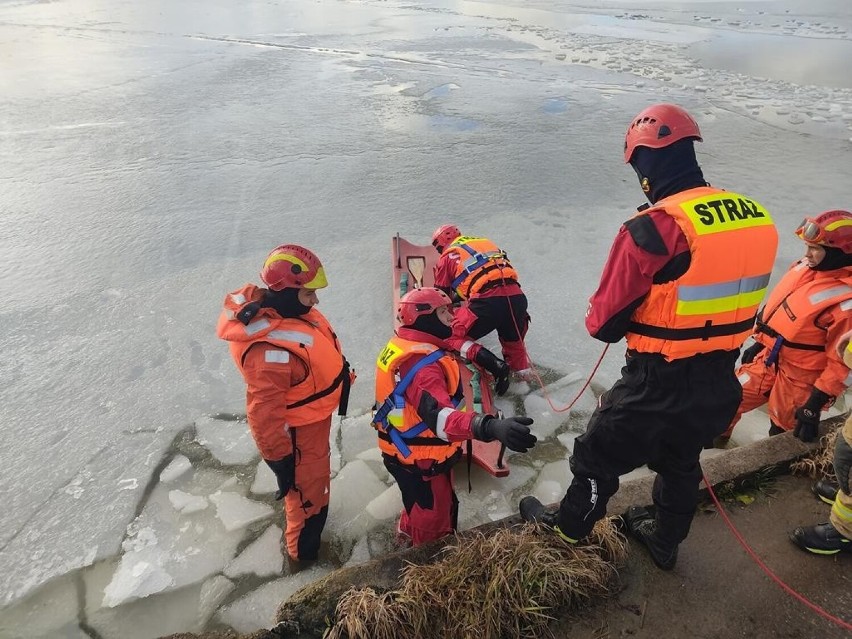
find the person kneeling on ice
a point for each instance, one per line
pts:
(794, 364)
(476, 270)
(682, 283)
(835, 535)
(420, 428)
(296, 376)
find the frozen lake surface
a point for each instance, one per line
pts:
(152, 153)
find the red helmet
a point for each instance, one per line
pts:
(659, 126)
(292, 266)
(832, 228)
(444, 236)
(420, 301)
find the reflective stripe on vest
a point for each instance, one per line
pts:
(711, 306)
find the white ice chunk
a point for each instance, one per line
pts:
(166, 549)
(358, 436)
(176, 468)
(265, 482)
(48, 612)
(355, 486)
(567, 440)
(546, 422)
(262, 557)
(236, 511)
(140, 574)
(387, 505)
(229, 441)
(187, 503)
(548, 492)
(360, 553)
(213, 593)
(184, 610)
(257, 609)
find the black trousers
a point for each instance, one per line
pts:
(660, 414)
(493, 313)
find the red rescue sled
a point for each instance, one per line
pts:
(413, 267)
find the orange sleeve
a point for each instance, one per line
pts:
(834, 379)
(268, 371)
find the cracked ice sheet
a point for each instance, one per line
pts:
(257, 609)
(166, 550)
(229, 441)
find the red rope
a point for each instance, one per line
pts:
(766, 569)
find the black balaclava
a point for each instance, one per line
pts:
(667, 171)
(285, 302)
(834, 259)
(432, 325)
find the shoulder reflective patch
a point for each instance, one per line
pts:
(238, 298)
(277, 357)
(830, 293)
(845, 306)
(724, 211)
(388, 354)
(292, 336)
(256, 327)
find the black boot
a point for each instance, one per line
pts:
(534, 511)
(643, 527)
(822, 539)
(826, 491)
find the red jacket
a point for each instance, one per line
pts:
(430, 381)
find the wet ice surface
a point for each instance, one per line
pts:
(154, 152)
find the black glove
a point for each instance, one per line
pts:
(807, 416)
(497, 367)
(751, 352)
(285, 473)
(842, 462)
(514, 432)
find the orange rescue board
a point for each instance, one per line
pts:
(413, 267)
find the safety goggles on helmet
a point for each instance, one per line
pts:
(810, 231)
(831, 228)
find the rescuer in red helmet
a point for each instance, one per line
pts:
(419, 424)
(682, 283)
(794, 364)
(296, 377)
(475, 270)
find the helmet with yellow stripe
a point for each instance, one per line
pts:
(292, 266)
(831, 228)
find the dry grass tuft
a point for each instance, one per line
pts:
(820, 463)
(510, 583)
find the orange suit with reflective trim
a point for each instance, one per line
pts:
(285, 361)
(807, 307)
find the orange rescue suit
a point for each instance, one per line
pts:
(810, 310)
(312, 390)
(713, 305)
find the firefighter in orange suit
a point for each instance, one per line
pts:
(682, 283)
(475, 270)
(419, 416)
(835, 535)
(296, 376)
(793, 364)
